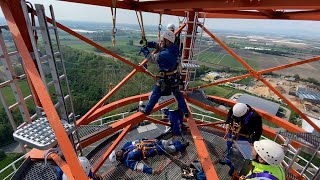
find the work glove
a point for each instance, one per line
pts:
(145, 51)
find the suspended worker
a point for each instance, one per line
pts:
(133, 152)
(169, 77)
(267, 157)
(243, 123)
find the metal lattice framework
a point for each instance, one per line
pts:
(242, 9)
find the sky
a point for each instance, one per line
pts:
(89, 13)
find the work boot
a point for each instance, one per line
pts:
(231, 171)
(144, 112)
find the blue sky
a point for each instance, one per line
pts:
(79, 12)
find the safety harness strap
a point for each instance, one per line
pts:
(263, 174)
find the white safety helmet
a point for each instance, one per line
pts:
(169, 36)
(269, 151)
(170, 27)
(239, 109)
(140, 103)
(85, 165)
(112, 156)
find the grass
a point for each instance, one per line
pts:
(5, 162)
(225, 60)
(8, 94)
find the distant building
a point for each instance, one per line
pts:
(308, 94)
(291, 79)
(259, 103)
(307, 127)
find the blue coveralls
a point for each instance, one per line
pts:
(167, 62)
(137, 151)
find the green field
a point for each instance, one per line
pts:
(5, 162)
(221, 91)
(8, 94)
(225, 59)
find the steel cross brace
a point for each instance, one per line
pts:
(43, 95)
(259, 77)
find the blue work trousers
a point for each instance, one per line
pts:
(156, 94)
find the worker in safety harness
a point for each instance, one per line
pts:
(243, 124)
(133, 152)
(169, 77)
(268, 156)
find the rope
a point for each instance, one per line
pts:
(143, 40)
(114, 15)
(159, 27)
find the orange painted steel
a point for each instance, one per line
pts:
(132, 119)
(289, 65)
(205, 5)
(111, 148)
(157, 121)
(221, 81)
(188, 39)
(267, 116)
(62, 164)
(203, 153)
(43, 95)
(207, 107)
(112, 106)
(92, 43)
(259, 77)
(105, 98)
(314, 125)
(259, 72)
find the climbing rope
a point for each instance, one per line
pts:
(160, 26)
(143, 40)
(114, 15)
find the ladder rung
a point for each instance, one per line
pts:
(13, 106)
(11, 54)
(60, 77)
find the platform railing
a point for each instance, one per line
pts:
(13, 165)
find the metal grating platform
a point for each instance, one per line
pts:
(306, 138)
(39, 134)
(216, 147)
(35, 170)
(86, 130)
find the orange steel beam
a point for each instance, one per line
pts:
(44, 97)
(289, 65)
(112, 106)
(157, 121)
(314, 125)
(105, 98)
(259, 77)
(132, 119)
(62, 164)
(267, 116)
(205, 5)
(203, 153)
(92, 43)
(260, 72)
(111, 148)
(221, 81)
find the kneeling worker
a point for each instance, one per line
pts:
(133, 152)
(268, 156)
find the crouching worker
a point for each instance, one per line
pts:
(87, 169)
(133, 152)
(267, 157)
